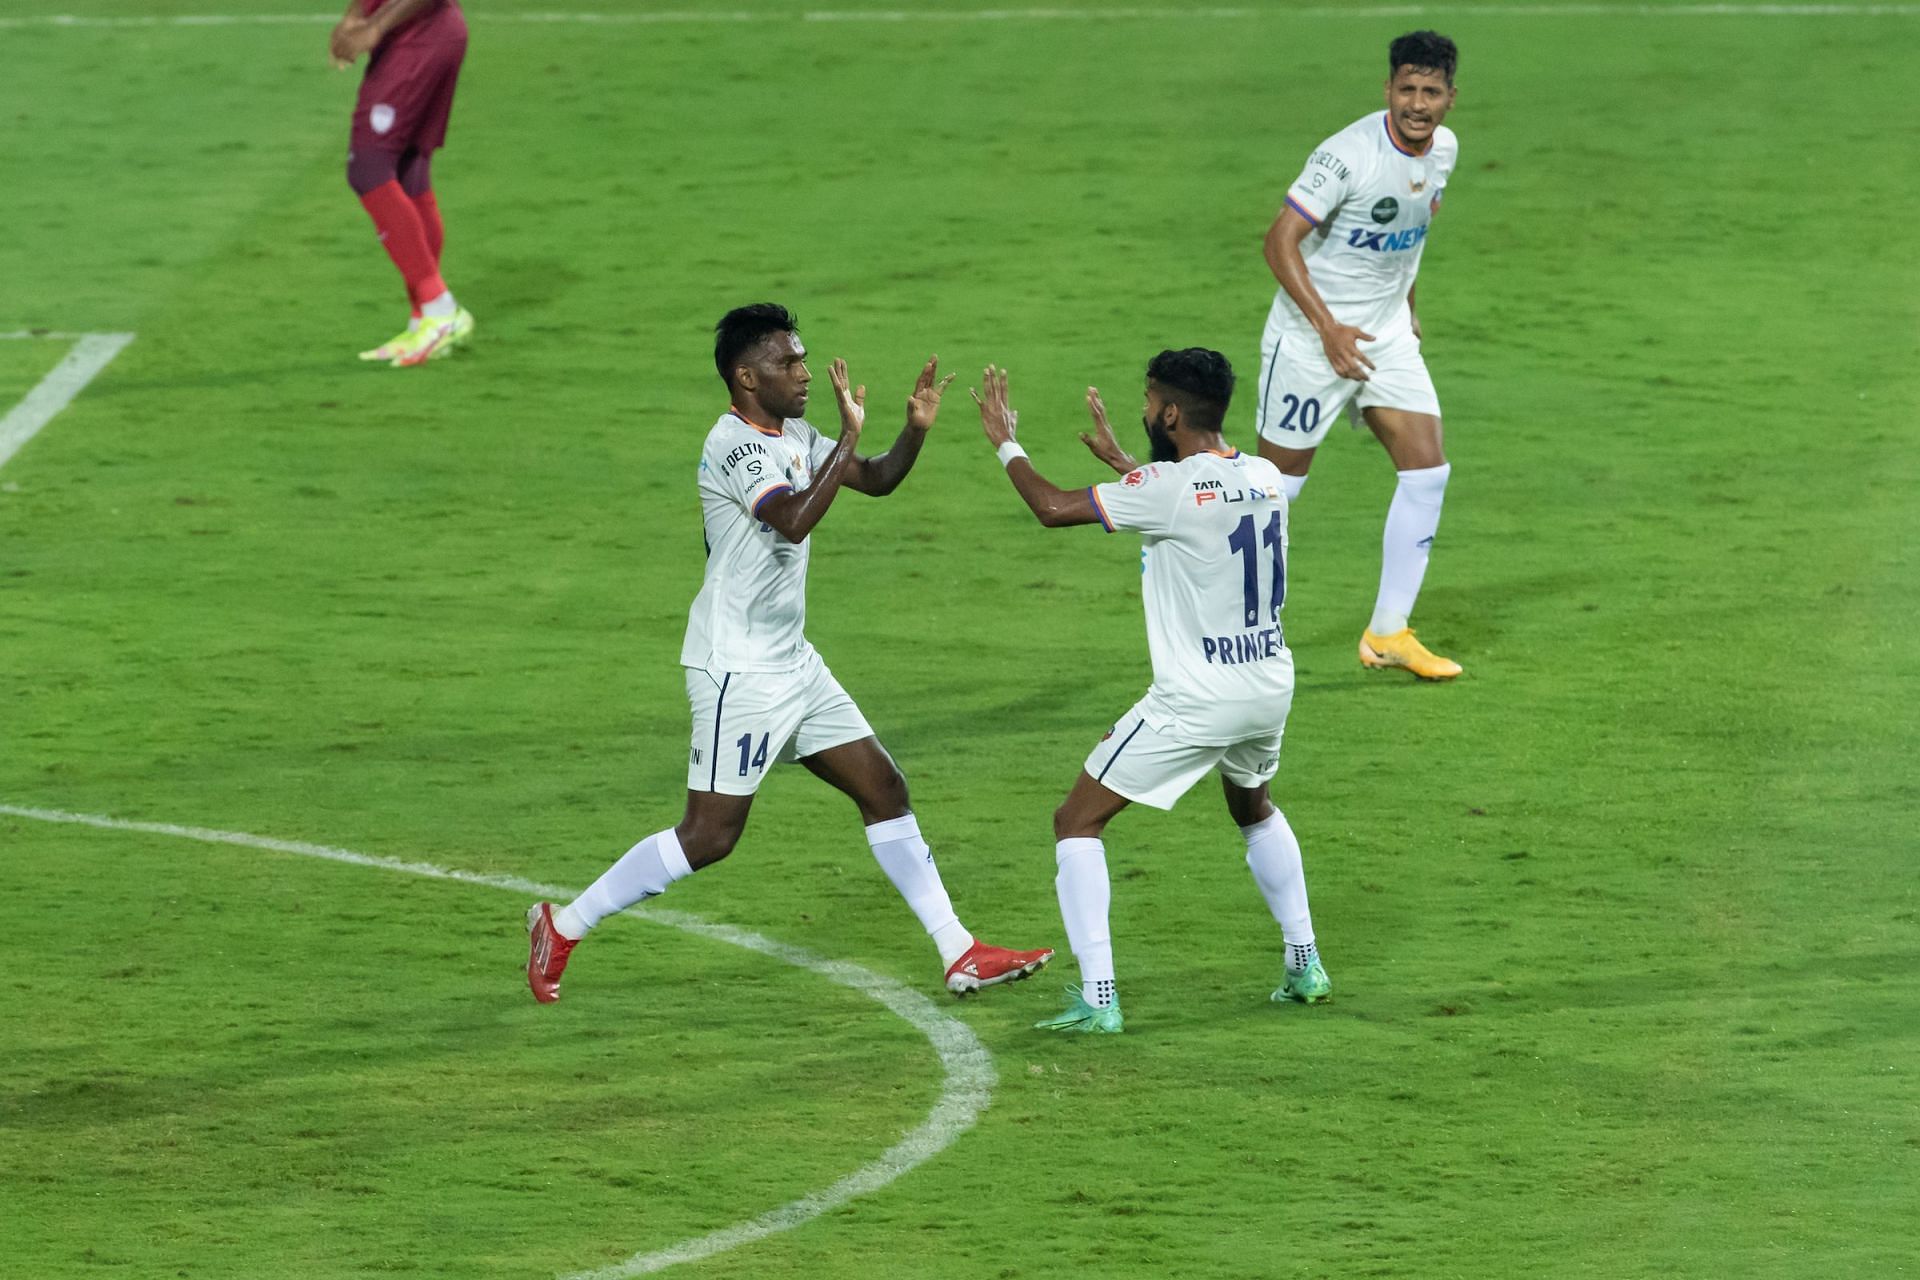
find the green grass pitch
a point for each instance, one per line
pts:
(1622, 924)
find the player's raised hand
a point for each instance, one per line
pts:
(1101, 441)
(853, 403)
(924, 404)
(997, 419)
(1342, 342)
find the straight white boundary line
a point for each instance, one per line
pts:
(965, 1091)
(91, 353)
(662, 17)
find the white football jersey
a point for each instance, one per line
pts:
(1370, 204)
(1215, 530)
(752, 606)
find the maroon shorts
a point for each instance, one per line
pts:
(407, 94)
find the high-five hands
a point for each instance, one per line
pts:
(1101, 440)
(924, 404)
(853, 403)
(997, 419)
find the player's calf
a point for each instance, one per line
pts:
(644, 871)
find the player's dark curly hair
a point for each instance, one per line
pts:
(1423, 51)
(742, 327)
(1199, 381)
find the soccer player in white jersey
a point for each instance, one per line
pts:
(1214, 525)
(1345, 249)
(760, 693)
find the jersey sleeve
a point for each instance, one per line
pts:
(747, 471)
(1446, 157)
(1325, 183)
(1144, 499)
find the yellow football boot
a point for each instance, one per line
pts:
(434, 337)
(462, 330)
(390, 350)
(1401, 650)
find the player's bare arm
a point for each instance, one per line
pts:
(357, 34)
(1101, 440)
(343, 43)
(1413, 316)
(794, 514)
(1289, 265)
(881, 475)
(1052, 506)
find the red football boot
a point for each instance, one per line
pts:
(547, 958)
(985, 964)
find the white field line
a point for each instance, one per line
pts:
(1112, 14)
(91, 353)
(964, 1093)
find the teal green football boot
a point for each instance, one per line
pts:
(1081, 1016)
(1310, 985)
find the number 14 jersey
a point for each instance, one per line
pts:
(1214, 526)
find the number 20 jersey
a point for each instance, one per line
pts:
(1370, 203)
(1214, 526)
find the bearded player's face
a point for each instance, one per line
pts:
(1160, 446)
(780, 375)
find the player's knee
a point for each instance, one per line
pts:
(1069, 825)
(1247, 806)
(706, 841)
(415, 173)
(370, 170)
(888, 799)
(1420, 451)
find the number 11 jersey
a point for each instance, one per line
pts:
(1214, 526)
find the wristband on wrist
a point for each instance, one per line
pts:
(1009, 451)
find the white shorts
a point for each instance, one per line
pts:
(1301, 395)
(1146, 766)
(745, 720)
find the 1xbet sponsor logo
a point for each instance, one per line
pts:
(1385, 241)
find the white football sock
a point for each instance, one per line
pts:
(1292, 485)
(904, 856)
(643, 871)
(1273, 855)
(1412, 520)
(1085, 895)
(439, 308)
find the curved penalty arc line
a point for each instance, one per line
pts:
(965, 1091)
